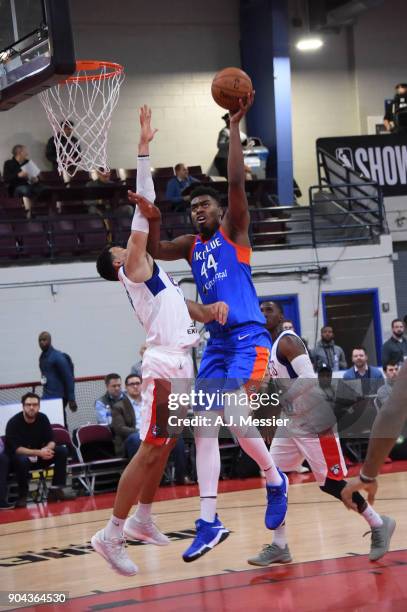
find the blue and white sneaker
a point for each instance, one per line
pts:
(208, 535)
(277, 501)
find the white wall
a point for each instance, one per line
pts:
(171, 51)
(92, 321)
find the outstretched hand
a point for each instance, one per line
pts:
(244, 104)
(355, 484)
(147, 133)
(147, 208)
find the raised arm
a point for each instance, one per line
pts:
(237, 219)
(145, 185)
(166, 250)
(139, 265)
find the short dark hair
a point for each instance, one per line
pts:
(326, 327)
(360, 348)
(111, 376)
(132, 376)
(391, 362)
(16, 149)
(401, 85)
(178, 167)
(30, 394)
(209, 191)
(287, 320)
(104, 264)
(396, 321)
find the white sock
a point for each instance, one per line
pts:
(208, 508)
(279, 536)
(256, 448)
(143, 512)
(208, 470)
(272, 475)
(114, 528)
(371, 516)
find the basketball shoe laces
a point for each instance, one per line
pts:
(376, 537)
(118, 547)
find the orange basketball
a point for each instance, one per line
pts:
(228, 86)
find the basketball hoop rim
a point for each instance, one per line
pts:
(82, 65)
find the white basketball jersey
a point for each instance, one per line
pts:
(280, 369)
(160, 307)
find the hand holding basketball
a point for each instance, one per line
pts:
(229, 86)
(147, 133)
(245, 104)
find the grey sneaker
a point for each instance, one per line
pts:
(380, 538)
(271, 553)
(148, 532)
(114, 551)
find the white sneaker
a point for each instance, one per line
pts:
(301, 469)
(114, 552)
(148, 531)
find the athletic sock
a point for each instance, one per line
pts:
(143, 512)
(272, 476)
(114, 528)
(208, 508)
(256, 448)
(279, 536)
(371, 516)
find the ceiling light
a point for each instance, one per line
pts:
(309, 44)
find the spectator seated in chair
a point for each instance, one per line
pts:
(22, 177)
(114, 393)
(176, 186)
(126, 418)
(30, 446)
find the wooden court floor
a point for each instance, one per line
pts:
(330, 570)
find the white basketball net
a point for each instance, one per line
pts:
(85, 106)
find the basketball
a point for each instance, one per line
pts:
(228, 86)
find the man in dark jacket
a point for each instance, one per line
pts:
(30, 445)
(19, 181)
(395, 348)
(69, 144)
(126, 418)
(57, 374)
(326, 351)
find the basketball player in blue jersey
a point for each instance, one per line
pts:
(319, 445)
(160, 306)
(237, 354)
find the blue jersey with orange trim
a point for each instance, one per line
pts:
(222, 272)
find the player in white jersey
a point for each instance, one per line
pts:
(167, 366)
(309, 436)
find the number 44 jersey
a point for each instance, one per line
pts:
(222, 272)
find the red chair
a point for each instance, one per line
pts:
(95, 449)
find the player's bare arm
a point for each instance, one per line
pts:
(166, 250)
(290, 347)
(147, 133)
(205, 313)
(237, 219)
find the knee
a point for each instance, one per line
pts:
(150, 454)
(21, 462)
(61, 452)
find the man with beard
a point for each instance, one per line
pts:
(395, 348)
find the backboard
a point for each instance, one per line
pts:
(36, 48)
